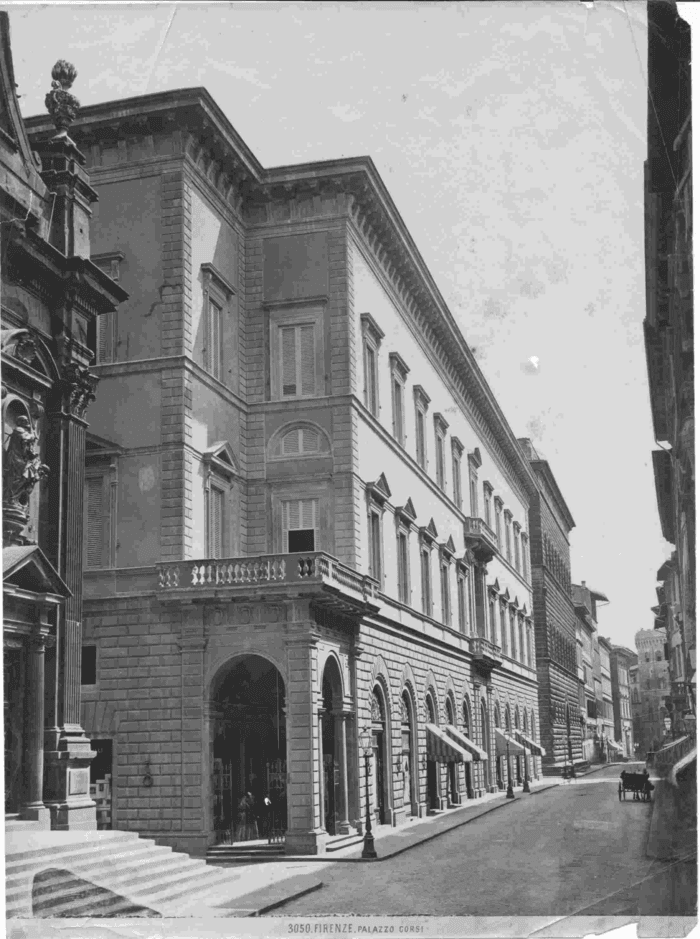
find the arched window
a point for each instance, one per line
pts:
(466, 721)
(449, 711)
(496, 717)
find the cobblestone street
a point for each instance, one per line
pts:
(575, 849)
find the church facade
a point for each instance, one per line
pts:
(307, 577)
(52, 297)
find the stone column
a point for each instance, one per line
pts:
(341, 736)
(492, 739)
(321, 771)
(34, 808)
(67, 766)
(304, 834)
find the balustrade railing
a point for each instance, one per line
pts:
(266, 569)
(484, 648)
(664, 759)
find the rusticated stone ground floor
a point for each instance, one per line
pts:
(198, 702)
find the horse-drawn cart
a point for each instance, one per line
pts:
(638, 784)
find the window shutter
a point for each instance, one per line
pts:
(308, 511)
(101, 325)
(94, 536)
(214, 339)
(289, 361)
(309, 440)
(290, 443)
(216, 522)
(307, 363)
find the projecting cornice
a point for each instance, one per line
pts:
(197, 128)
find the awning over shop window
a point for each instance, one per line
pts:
(530, 744)
(512, 747)
(615, 746)
(465, 743)
(443, 750)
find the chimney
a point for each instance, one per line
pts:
(63, 169)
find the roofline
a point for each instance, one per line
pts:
(199, 96)
(559, 498)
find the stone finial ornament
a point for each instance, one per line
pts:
(60, 103)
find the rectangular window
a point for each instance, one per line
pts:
(95, 512)
(217, 522)
(473, 496)
(509, 552)
(420, 436)
(371, 380)
(300, 521)
(297, 360)
(513, 640)
(402, 552)
(440, 458)
(521, 640)
(425, 578)
(526, 556)
(462, 603)
(516, 545)
(487, 504)
(492, 621)
(397, 406)
(88, 665)
(375, 545)
(457, 478)
(499, 525)
(215, 346)
(504, 631)
(445, 593)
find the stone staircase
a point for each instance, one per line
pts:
(244, 852)
(108, 873)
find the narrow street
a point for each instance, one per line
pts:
(575, 849)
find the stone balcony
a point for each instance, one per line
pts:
(480, 538)
(485, 652)
(316, 575)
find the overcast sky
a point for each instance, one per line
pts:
(512, 139)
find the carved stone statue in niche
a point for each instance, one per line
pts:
(22, 466)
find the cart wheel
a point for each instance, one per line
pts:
(619, 792)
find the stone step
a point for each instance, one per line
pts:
(344, 842)
(65, 894)
(106, 841)
(94, 854)
(147, 876)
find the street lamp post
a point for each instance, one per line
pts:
(509, 791)
(368, 852)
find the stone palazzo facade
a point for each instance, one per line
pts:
(306, 516)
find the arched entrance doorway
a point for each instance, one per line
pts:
(332, 693)
(466, 725)
(486, 745)
(407, 754)
(379, 782)
(249, 751)
(452, 789)
(432, 789)
(500, 760)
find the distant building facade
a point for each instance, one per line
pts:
(653, 682)
(554, 618)
(591, 674)
(52, 296)
(621, 659)
(668, 334)
(606, 713)
(306, 517)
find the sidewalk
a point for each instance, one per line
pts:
(389, 842)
